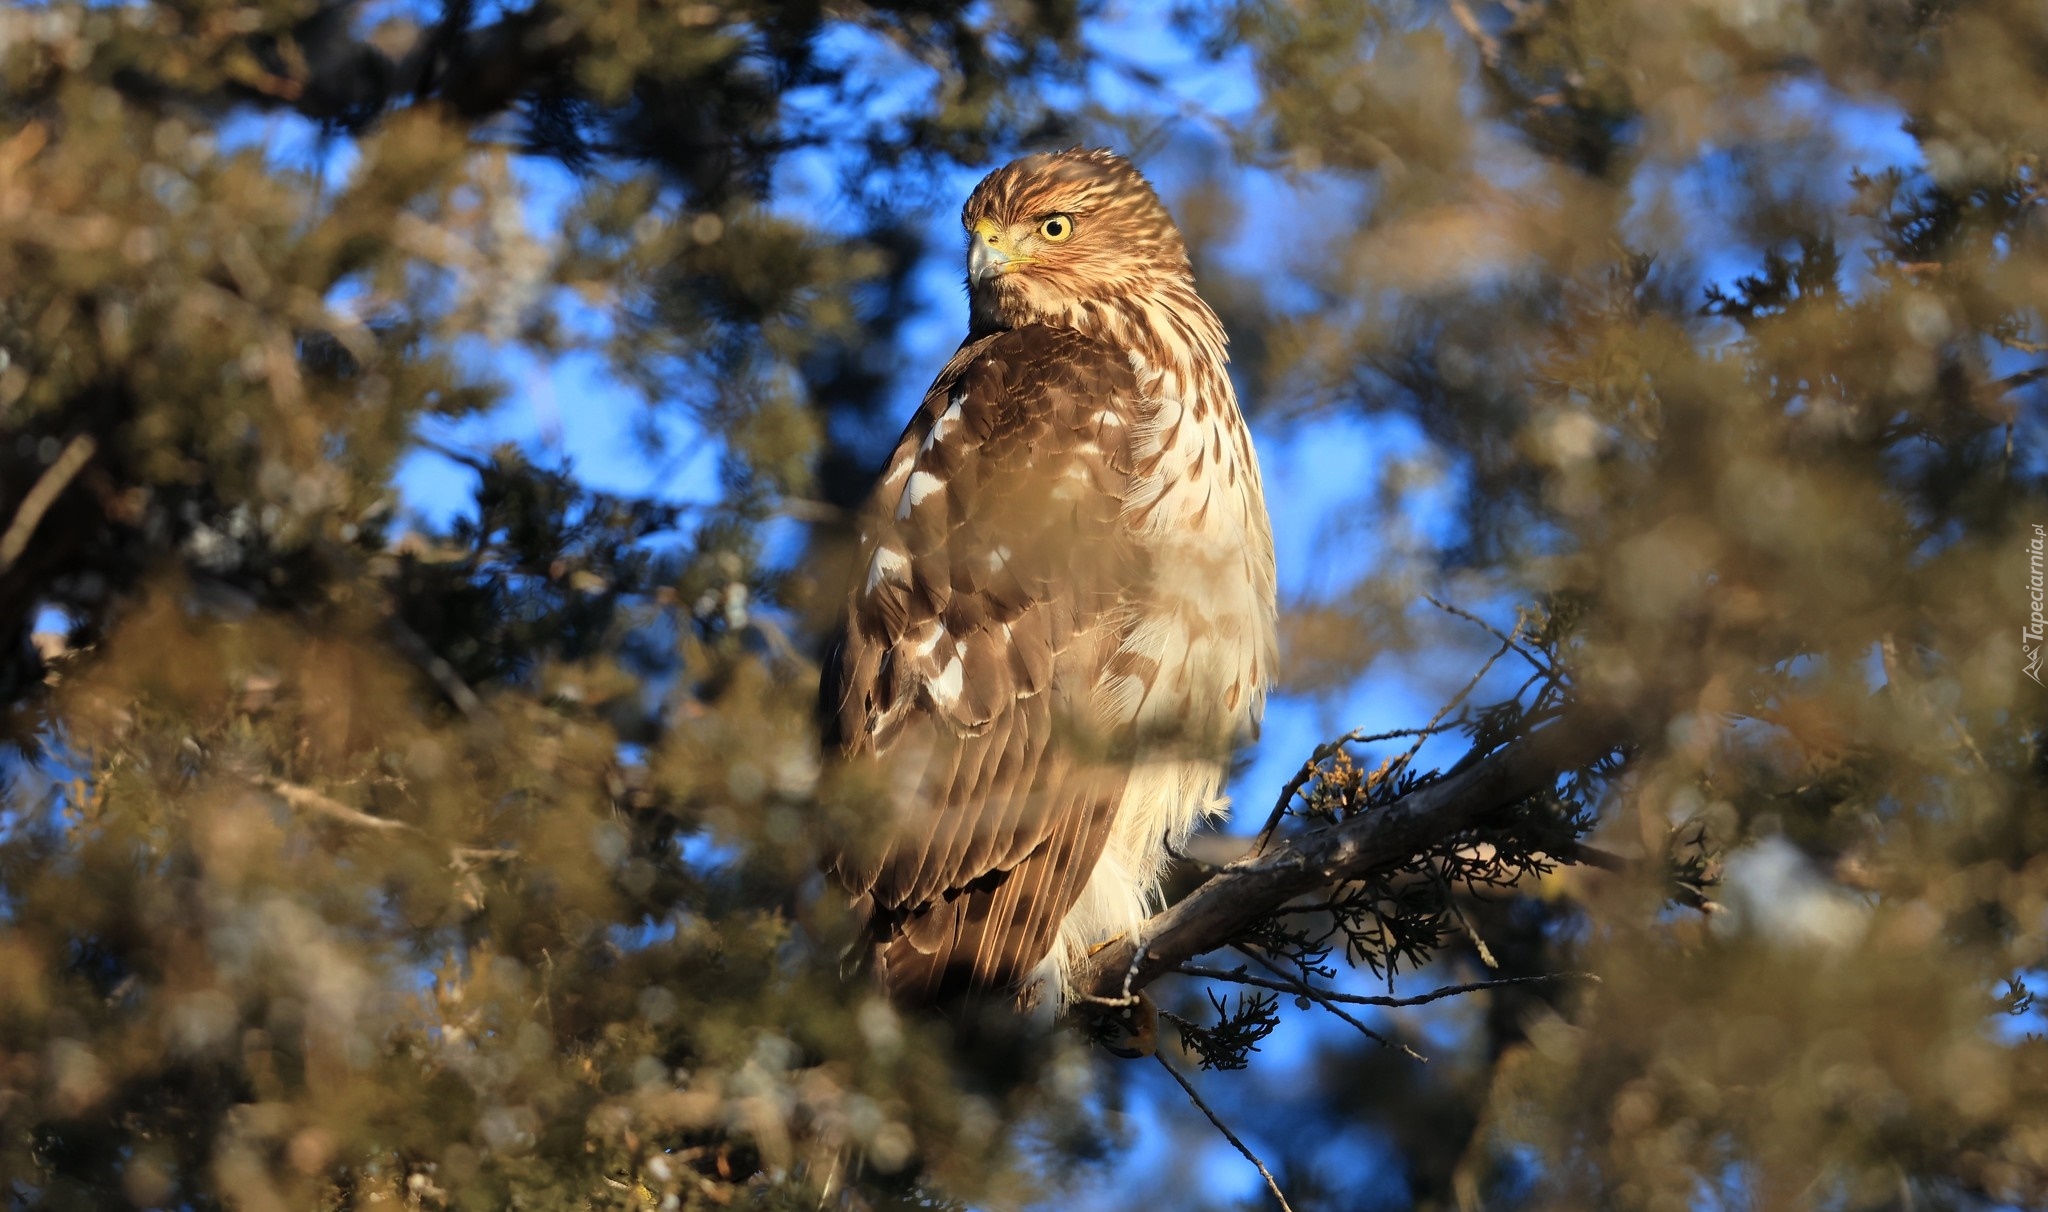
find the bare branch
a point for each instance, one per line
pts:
(1579, 854)
(1443, 713)
(1228, 1135)
(1513, 641)
(1323, 999)
(300, 798)
(1239, 976)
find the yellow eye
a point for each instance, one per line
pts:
(1056, 229)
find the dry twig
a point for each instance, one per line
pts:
(1271, 1183)
(1513, 641)
(1323, 999)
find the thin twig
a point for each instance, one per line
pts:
(43, 494)
(1401, 763)
(1471, 932)
(1512, 641)
(464, 859)
(1108, 1003)
(779, 643)
(1323, 999)
(1963, 735)
(475, 462)
(1271, 1183)
(1239, 976)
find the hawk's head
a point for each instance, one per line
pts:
(1050, 235)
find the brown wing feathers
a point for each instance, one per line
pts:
(991, 576)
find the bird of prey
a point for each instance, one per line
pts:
(1062, 618)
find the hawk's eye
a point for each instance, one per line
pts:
(1056, 228)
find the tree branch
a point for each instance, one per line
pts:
(1239, 896)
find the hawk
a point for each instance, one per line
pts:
(1062, 619)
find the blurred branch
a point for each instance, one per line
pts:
(313, 803)
(1225, 908)
(475, 70)
(1579, 854)
(441, 672)
(2020, 379)
(466, 857)
(806, 510)
(1489, 46)
(48, 487)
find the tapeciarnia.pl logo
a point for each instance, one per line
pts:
(2037, 593)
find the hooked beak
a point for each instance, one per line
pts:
(989, 253)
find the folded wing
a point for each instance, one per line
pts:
(995, 582)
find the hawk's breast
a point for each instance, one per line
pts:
(1205, 634)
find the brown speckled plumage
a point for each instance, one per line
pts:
(1063, 615)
